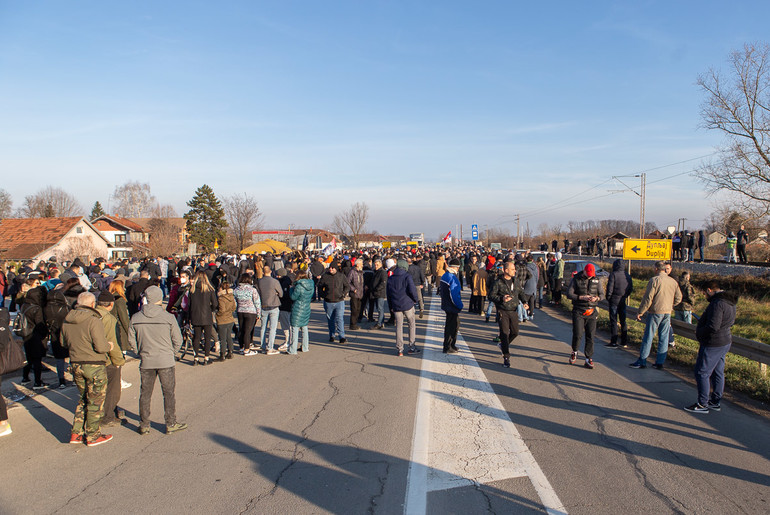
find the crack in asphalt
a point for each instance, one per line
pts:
(635, 463)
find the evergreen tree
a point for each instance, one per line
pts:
(206, 219)
(97, 211)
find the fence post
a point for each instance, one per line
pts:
(763, 369)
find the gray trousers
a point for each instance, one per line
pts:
(167, 378)
(400, 328)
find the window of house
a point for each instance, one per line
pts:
(119, 238)
(79, 230)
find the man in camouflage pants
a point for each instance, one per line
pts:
(83, 334)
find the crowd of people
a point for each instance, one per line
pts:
(92, 315)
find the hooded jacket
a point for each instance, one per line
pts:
(83, 334)
(688, 295)
(155, 336)
(714, 326)
(225, 307)
(449, 289)
(109, 322)
(401, 292)
(32, 307)
(620, 284)
(301, 293)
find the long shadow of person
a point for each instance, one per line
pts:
(340, 478)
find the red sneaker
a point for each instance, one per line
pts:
(98, 441)
(76, 438)
(572, 358)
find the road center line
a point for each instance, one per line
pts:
(462, 433)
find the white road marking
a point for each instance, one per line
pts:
(462, 433)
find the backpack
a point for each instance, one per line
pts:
(23, 325)
(55, 311)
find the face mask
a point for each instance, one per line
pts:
(183, 280)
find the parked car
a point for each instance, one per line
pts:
(573, 266)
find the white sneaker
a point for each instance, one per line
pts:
(124, 384)
(250, 352)
(283, 347)
(272, 352)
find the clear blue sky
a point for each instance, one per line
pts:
(434, 113)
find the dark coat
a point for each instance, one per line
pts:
(401, 292)
(714, 325)
(203, 305)
(379, 284)
(581, 285)
(356, 283)
(620, 284)
(501, 288)
(134, 294)
(34, 301)
(333, 287)
(286, 301)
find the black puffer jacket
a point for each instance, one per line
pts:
(714, 325)
(581, 285)
(34, 301)
(620, 284)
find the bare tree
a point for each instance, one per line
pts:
(352, 222)
(50, 202)
(243, 216)
(133, 200)
(738, 105)
(84, 248)
(6, 204)
(163, 211)
(164, 237)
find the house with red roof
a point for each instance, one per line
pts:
(63, 238)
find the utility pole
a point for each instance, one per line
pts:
(642, 194)
(518, 232)
(461, 233)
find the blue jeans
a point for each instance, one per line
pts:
(684, 316)
(335, 312)
(710, 371)
(380, 304)
(522, 312)
(269, 316)
(295, 339)
(660, 323)
(489, 308)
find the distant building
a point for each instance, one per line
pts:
(317, 239)
(715, 238)
(39, 239)
(127, 237)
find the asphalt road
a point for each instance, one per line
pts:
(356, 429)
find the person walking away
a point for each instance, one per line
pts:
(659, 298)
(542, 280)
(32, 304)
(451, 305)
(683, 310)
(402, 296)
(135, 291)
(284, 310)
(226, 306)
(506, 294)
(585, 293)
(714, 338)
(333, 288)
(379, 292)
(742, 240)
(619, 288)
(356, 287)
(54, 313)
(248, 307)
(5, 340)
(317, 269)
(301, 293)
(479, 287)
(156, 337)
(203, 305)
(530, 286)
(418, 277)
(701, 245)
(115, 361)
(558, 279)
(83, 334)
(270, 293)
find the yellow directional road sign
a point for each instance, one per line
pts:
(652, 250)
